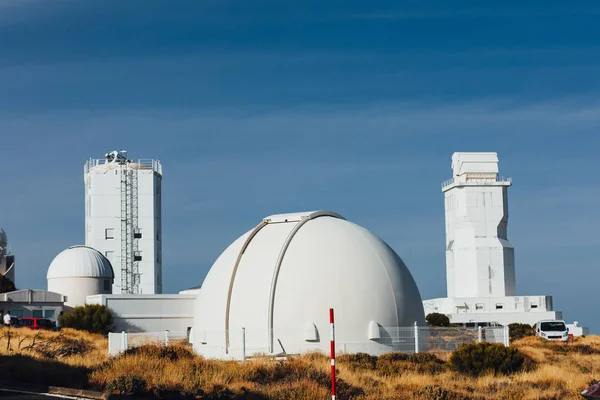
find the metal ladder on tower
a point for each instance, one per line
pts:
(125, 270)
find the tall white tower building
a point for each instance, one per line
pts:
(480, 261)
(123, 219)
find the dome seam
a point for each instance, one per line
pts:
(279, 263)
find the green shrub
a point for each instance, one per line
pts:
(171, 352)
(437, 319)
(358, 361)
(398, 363)
(284, 372)
(519, 331)
(426, 363)
(127, 385)
(93, 318)
(477, 359)
(433, 392)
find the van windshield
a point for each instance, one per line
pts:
(553, 326)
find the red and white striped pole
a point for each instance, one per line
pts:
(332, 347)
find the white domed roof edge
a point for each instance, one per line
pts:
(299, 216)
(80, 262)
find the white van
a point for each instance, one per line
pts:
(552, 329)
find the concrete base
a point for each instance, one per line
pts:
(499, 310)
(505, 318)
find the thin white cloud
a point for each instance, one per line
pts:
(376, 120)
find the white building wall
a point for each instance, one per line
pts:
(502, 310)
(479, 257)
(103, 219)
(149, 313)
(577, 330)
(76, 290)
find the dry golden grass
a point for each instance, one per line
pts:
(28, 342)
(562, 372)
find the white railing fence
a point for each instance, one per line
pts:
(412, 339)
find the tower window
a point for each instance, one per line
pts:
(138, 234)
(499, 306)
(109, 233)
(137, 256)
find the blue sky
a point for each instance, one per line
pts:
(263, 107)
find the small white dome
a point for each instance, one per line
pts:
(80, 262)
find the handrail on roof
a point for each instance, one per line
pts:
(476, 181)
(143, 163)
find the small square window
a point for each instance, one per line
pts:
(533, 305)
(110, 255)
(499, 306)
(479, 306)
(137, 234)
(137, 256)
(109, 233)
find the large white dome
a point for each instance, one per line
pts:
(80, 262)
(279, 280)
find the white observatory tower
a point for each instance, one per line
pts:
(123, 219)
(480, 261)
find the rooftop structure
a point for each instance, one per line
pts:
(28, 303)
(123, 219)
(278, 281)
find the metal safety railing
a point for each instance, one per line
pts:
(255, 342)
(141, 164)
(476, 181)
(123, 341)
